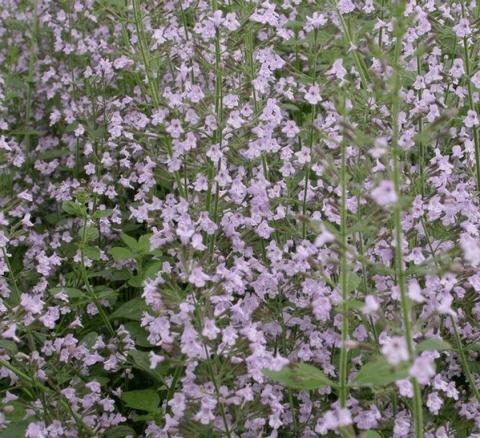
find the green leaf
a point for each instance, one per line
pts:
(299, 376)
(290, 107)
(54, 218)
(89, 339)
(353, 304)
(433, 345)
(9, 346)
(130, 242)
(141, 361)
(152, 269)
(473, 347)
(14, 411)
(119, 253)
(371, 434)
(74, 208)
(114, 3)
(157, 253)
(105, 292)
(142, 399)
(53, 153)
(379, 373)
(102, 213)
(136, 281)
(92, 252)
(71, 292)
(353, 282)
(148, 417)
(112, 274)
(16, 429)
(144, 243)
(132, 310)
(91, 233)
(119, 432)
(138, 333)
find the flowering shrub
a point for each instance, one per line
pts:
(239, 218)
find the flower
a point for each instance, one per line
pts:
(371, 305)
(312, 96)
(395, 350)
(471, 120)
(384, 194)
(462, 29)
(415, 292)
(423, 369)
(345, 6)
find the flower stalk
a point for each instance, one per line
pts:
(397, 209)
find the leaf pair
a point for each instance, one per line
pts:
(134, 248)
(300, 376)
(305, 377)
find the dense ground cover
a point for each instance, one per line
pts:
(239, 218)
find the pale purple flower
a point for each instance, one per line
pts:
(384, 194)
(32, 303)
(338, 70)
(472, 119)
(345, 6)
(462, 29)
(371, 305)
(395, 350)
(434, 403)
(210, 330)
(415, 292)
(321, 308)
(457, 70)
(405, 388)
(471, 249)
(312, 96)
(10, 333)
(423, 369)
(315, 21)
(476, 79)
(230, 22)
(155, 359)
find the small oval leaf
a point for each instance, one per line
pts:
(300, 376)
(379, 373)
(433, 345)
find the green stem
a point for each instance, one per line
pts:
(143, 46)
(16, 289)
(471, 105)
(362, 71)
(251, 65)
(89, 288)
(211, 373)
(380, 32)
(35, 383)
(29, 83)
(463, 359)
(421, 146)
(458, 339)
(217, 393)
(218, 133)
(399, 268)
(11, 275)
(313, 69)
(344, 278)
